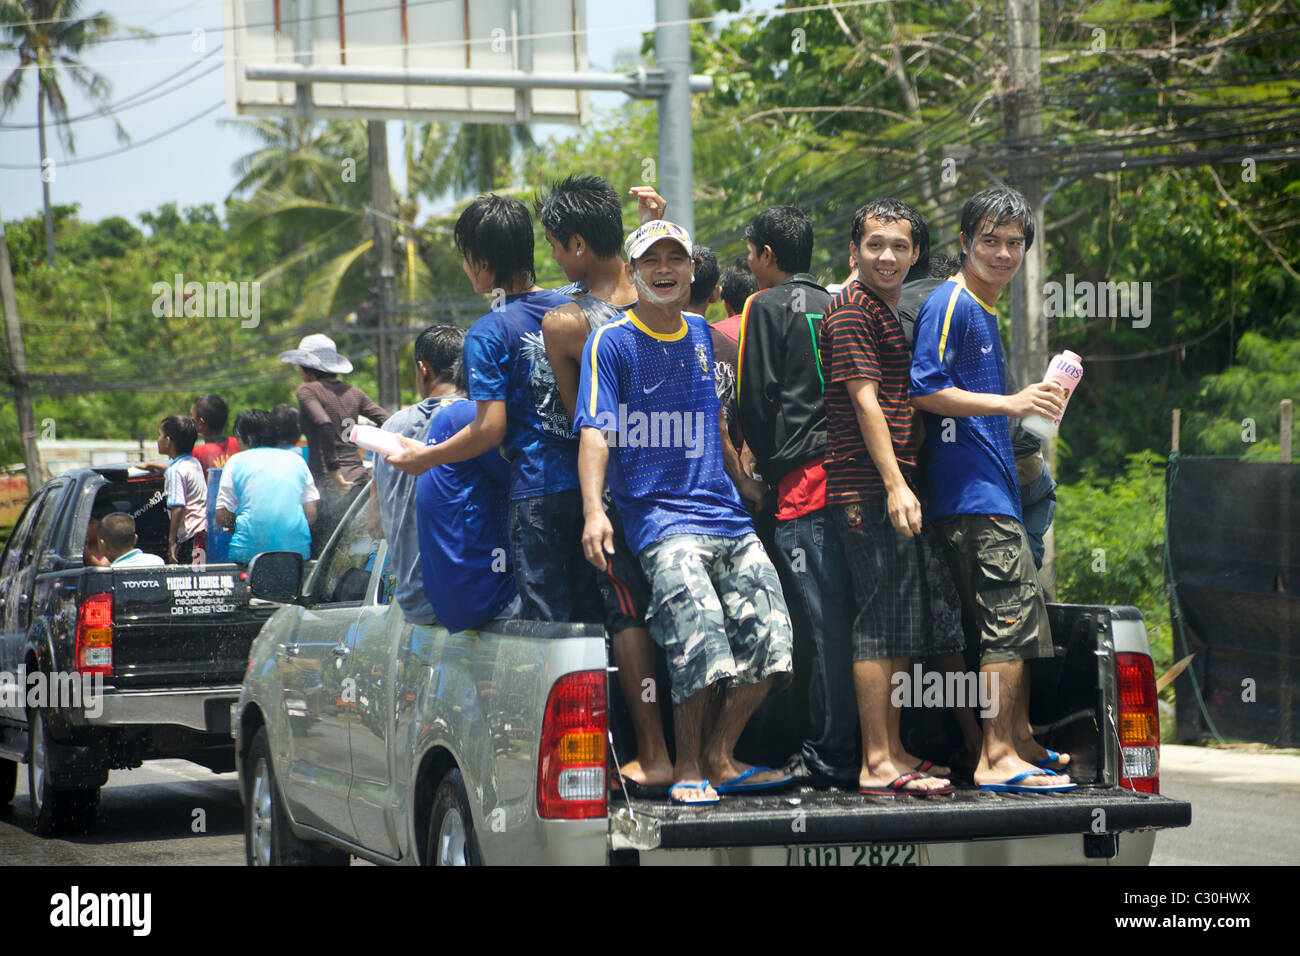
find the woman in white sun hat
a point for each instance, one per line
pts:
(323, 404)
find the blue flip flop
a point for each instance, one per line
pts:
(738, 784)
(1051, 758)
(1015, 786)
(704, 785)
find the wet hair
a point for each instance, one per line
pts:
(944, 266)
(180, 429)
(893, 210)
(1001, 204)
(738, 284)
(439, 347)
(213, 410)
(285, 424)
(497, 232)
(787, 230)
(118, 531)
(586, 206)
(706, 274)
(253, 428)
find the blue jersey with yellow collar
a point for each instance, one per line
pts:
(654, 397)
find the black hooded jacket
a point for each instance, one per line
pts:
(779, 384)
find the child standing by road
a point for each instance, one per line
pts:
(186, 490)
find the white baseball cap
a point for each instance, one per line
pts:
(652, 232)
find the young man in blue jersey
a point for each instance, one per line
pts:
(583, 219)
(518, 407)
(716, 605)
(958, 377)
(461, 507)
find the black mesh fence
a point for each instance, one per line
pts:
(1233, 565)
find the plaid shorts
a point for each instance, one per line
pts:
(717, 610)
(907, 603)
(1002, 601)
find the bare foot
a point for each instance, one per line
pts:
(905, 759)
(1031, 751)
(888, 774)
(725, 770)
(651, 775)
(1005, 770)
(688, 792)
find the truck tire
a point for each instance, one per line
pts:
(451, 827)
(268, 838)
(54, 811)
(8, 781)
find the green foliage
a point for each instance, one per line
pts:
(1110, 539)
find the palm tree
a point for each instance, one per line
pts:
(471, 157)
(303, 157)
(48, 36)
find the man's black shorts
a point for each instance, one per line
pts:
(623, 584)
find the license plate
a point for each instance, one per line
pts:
(869, 854)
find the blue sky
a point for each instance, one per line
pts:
(193, 164)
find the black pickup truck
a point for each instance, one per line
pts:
(103, 668)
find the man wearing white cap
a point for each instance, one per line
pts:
(716, 606)
(323, 404)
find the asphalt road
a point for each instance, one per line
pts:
(1245, 807)
(168, 812)
(1245, 811)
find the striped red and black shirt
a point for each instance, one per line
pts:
(860, 337)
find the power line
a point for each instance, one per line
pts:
(127, 103)
(126, 149)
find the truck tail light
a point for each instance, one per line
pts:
(1139, 723)
(95, 635)
(571, 772)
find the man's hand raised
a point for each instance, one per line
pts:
(649, 204)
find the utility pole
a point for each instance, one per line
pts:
(1024, 127)
(18, 368)
(381, 214)
(673, 54)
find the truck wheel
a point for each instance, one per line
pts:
(54, 811)
(8, 781)
(451, 828)
(268, 838)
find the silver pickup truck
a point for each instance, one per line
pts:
(358, 734)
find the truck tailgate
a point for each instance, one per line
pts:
(178, 626)
(813, 817)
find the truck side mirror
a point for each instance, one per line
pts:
(275, 576)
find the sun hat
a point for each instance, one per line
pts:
(652, 232)
(318, 352)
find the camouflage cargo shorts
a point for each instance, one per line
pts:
(717, 610)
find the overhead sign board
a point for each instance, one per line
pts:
(394, 36)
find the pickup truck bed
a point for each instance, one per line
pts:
(156, 654)
(413, 745)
